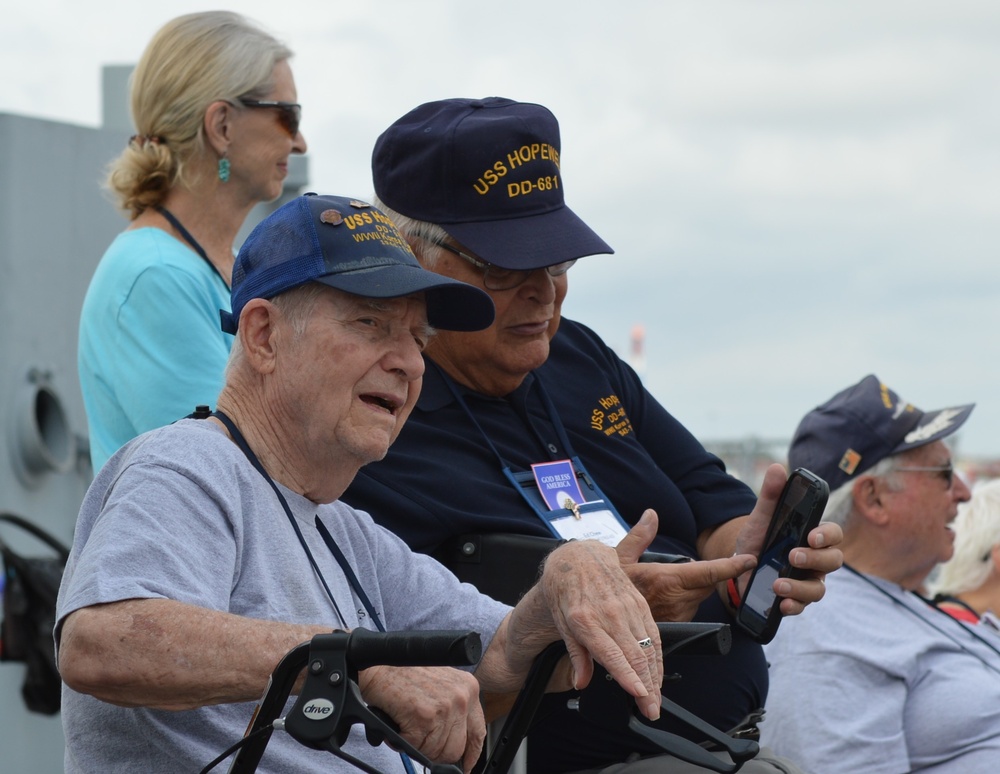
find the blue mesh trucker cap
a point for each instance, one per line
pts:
(488, 172)
(349, 245)
(863, 425)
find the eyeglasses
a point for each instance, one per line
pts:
(289, 113)
(947, 472)
(497, 278)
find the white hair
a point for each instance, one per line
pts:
(296, 304)
(840, 506)
(977, 531)
(422, 236)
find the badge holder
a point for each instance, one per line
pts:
(595, 518)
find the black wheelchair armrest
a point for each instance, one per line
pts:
(692, 638)
(505, 565)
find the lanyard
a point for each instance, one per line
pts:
(947, 630)
(338, 554)
(245, 448)
(189, 239)
(523, 481)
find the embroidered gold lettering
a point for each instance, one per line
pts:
(537, 151)
(614, 422)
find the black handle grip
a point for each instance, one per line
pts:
(695, 638)
(651, 557)
(432, 648)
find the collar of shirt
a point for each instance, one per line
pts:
(435, 393)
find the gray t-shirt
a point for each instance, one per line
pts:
(872, 680)
(179, 513)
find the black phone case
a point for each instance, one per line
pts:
(811, 506)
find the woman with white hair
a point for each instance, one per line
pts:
(967, 586)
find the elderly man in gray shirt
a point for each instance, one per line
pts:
(894, 684)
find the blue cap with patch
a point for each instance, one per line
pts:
(863, 425)
(349, 245)
(488, 172)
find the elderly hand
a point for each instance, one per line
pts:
(437, 709)
(674, 591)
(821, 557)
(601, 615)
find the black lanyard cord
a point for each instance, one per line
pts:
(932, 624)
(539, 508)
(352, 578)
(172, 219)
(550, 409)
(245, 448)
(338, 554)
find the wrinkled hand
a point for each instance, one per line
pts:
(437, 709)
(674, 591)
(601, 615)
(821, 557)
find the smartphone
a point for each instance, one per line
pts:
(799, 510)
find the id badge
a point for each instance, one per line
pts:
(571, 514)
(588, 521)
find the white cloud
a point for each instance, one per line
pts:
(784, 182)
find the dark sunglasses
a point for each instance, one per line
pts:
(289, 113)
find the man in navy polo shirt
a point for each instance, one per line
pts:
(476, 188)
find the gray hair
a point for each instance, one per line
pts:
(191, 62)
(419, 232)
(295, 304)
(840, 506)
(977, 531)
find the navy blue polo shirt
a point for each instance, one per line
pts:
(440, 479)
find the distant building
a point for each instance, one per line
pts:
(55, 224)
(748, 458)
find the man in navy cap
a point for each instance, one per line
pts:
(894, 684)
(536, 411)
(207, 549)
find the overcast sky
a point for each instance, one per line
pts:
(798, 193)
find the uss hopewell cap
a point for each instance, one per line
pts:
(349, 245)
(488, 172)
(862, 425)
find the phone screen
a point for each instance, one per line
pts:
(799, 510)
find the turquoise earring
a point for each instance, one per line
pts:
(224, 169)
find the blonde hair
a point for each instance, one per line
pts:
(977, 530)
(191, 61)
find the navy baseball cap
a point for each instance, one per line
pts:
(863, 425)
(349, 245)
(487, 171)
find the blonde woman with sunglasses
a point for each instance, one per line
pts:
(215, 108)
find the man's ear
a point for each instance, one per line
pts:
(217, 125)
(868, 499)
(257, 329)
(995, 558)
